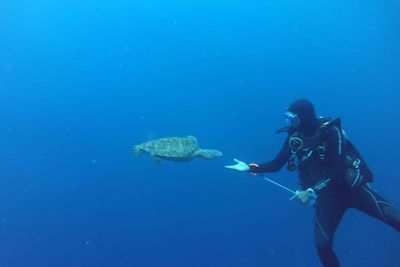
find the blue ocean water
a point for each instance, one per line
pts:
(81, 82)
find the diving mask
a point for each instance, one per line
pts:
(292, 119)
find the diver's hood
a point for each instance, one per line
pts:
(308, 119)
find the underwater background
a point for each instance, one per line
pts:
(82, 82)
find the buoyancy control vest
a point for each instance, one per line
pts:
(356, 172)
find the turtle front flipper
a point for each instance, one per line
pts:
(208, 153)
(156, 159)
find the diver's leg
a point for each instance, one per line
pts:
(329, 210)
(370, 202)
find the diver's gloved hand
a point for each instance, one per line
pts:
(306, 196)
(239, 166)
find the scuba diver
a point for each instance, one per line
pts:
(333, 175)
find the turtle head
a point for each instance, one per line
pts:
(137, 150)
(208, 153)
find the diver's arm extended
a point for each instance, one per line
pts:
(270, 166)
(274, 165)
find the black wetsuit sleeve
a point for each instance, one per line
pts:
(335, 154)
(275, 164)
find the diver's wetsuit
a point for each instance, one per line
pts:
(334, 199)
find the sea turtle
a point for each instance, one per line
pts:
(175, 149)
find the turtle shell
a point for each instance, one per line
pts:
(171, 147)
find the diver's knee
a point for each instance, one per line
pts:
(323, 245)
(325, 250)
(322, 240)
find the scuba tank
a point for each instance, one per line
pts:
(357, 171)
